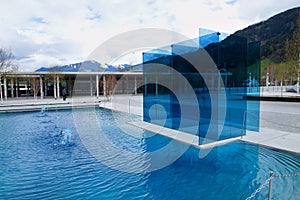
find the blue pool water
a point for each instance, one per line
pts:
(38, 162)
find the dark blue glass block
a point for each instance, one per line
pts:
(207, 37)
(155, 54)
(202, 91)
(184, 47)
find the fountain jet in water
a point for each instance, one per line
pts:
(67, 133)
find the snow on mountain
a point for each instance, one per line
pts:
(87, 66)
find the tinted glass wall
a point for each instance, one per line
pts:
(201, 86)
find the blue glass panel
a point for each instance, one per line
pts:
(204, 91)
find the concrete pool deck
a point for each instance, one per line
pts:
(282, 140)
(279, 121)
(23, 104)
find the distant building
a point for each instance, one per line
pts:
(86, 78)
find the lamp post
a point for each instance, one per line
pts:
(298, 81)
(250, 79)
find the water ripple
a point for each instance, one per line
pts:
(35, 165)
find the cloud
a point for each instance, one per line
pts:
(62, 32)
(256, 11)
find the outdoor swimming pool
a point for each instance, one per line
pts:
(37, 162)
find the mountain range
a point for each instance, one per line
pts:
(273, 33)
(87, 66)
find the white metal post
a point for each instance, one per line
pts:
(54, 88)
(1, 94)
(12, 87)
(17, 87)
(104, 86)
(270, 186)
(281, 88)
(298, 83)
(5, 88)
(41, 87)
(135, 86)
(267, 81)
(58, 90)
(97, 86)
(91, 85)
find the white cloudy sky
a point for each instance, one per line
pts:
(50, 32)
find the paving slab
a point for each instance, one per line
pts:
(25, 104)
(282, 140)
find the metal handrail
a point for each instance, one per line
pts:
(269, 180)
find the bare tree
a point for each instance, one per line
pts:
(6, 64)
(111, 82)
(271, 69)
(35, 86)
